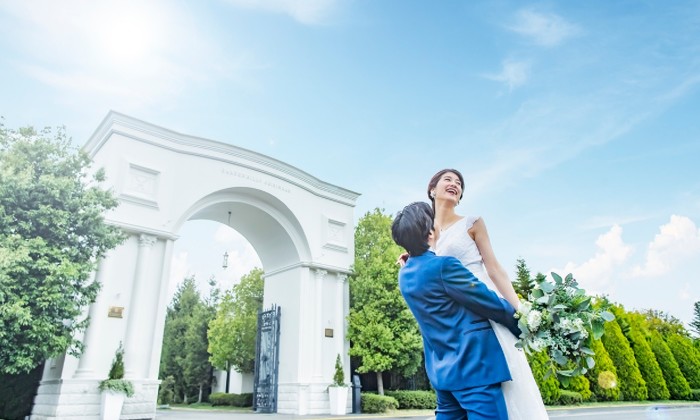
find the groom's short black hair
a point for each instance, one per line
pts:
(412, 226)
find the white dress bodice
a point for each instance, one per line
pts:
(523, 398)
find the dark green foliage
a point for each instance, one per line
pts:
(685, 355)
(383, 334)
(419, 400)
(579, 385)
(632, 386)
(117, 369)
(52, 232)
(695, 394)
(232, 332)
(184, 355)
(549, 387)
(166, 391)
(339, 375)
(695, 323)
(523, 283)
(675, 381)
(17, 393)
(603, 377)
(373, 403)
(570, 397)
(646, 360)
(234, 400)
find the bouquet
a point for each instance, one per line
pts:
(560, 318)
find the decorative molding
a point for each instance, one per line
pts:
(146, 241)
(334, 232)
(177, 142)
(310, 265)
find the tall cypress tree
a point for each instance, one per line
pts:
(677, 385)
(646, 360)
(523, 283)
(632, 385)
(695, 323)
(549, 387)
(603, 377)
(687, 359)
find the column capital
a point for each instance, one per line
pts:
(147, 240)
(342, 278)
(320, 273)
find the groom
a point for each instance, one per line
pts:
(463, 359)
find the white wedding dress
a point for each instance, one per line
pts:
(522, 395)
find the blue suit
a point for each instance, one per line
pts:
(462, 353)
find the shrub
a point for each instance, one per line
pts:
(115, 380)
(695, 394)
(549, 388)
(632, 385)
(166, 391)
(570, 397)
(374, 403)
(234, 400)
(602, 379)
(581, 386)
(684, 353)
(677, 385)
(646, 360)
(414, 399)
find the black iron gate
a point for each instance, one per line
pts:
(267, 361)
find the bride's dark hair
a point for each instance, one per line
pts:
(434, 181)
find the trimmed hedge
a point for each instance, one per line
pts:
(234, 400)
(632, 385)
(414, 399)
(695, 394)
(570, 397)
(605, 387)
(684, 353)
(646, 360)
(677, 385)
(581, 386)
(549, 388)
(374, 403)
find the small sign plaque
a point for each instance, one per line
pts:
(329, 332)
(116, 312)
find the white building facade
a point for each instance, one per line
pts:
(301, 228)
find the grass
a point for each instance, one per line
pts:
(208, 406)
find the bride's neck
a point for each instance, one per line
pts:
(444, 215)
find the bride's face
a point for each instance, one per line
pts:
(448, 188)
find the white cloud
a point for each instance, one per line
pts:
(598, 273)
(180, 268)
(513, 74)
(546, 29)
(308, 12)
(677, 241)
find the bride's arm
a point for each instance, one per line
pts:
(497, 274)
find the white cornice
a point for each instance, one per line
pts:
(180, 143)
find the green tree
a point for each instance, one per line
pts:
(185, 332)
(603, 377)
(197, 371)
(646, 360)
(632, 386)
(677, 385)
(523, 283)
(548, 384)
(685, 355)
(695, 323)
(382, 331)
(232, 332)
(52, 232)
(664, 323)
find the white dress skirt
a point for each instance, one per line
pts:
(522, 395)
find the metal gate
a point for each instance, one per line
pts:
(267, 361)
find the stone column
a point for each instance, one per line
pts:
(136, 313)
(86, 363)
(340, 315)
(318, 325)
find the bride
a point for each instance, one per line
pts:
(467, 239)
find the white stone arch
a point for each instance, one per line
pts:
(301, 227)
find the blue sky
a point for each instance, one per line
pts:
(575, 123)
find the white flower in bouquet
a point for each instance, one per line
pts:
(559, 318)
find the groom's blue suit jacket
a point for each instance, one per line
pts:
(452, 308)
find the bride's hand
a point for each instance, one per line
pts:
(402, 259)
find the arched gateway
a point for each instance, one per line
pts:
(301, 228)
